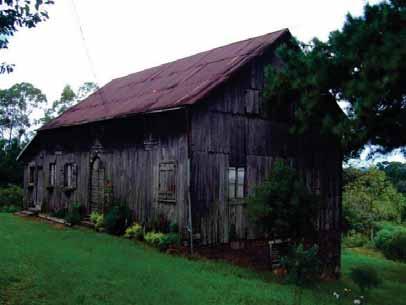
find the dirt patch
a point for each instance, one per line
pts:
(254, 254)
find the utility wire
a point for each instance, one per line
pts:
(89, 58)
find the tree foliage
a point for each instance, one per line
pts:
(16, 14)
(11, 171)
(16, 106)
(361, 65)
(67, 99)
(282, 206)
(396, 172)
(370, 198)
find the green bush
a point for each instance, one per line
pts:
(75, 214)
(167, 240)
(118, 219)
(365, 277)
(11, 195)
(153, 238)
(61, 213)
(355, 239)
(303, 265)
(135, 231)
(283, 206)
(98, 220)
(395, 248)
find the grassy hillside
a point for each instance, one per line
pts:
(43, 264)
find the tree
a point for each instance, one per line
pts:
(396, 172)
(11, 171)
(283, 207)
(361, 65)
(15, 14)
(16, 106)
(370, 198)
(68, 99)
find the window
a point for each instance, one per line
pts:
(31, 177)
(70, 175)
(167, 182)
(52, 174)
(236, 182)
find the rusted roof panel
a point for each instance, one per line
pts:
(182, 82)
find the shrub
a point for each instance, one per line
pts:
(153, 238)
(74, 214)
(395, 248)
(365, 277)
(167, 240)
(94, 216)
(11, 195)
(117, 219)
(98, 220)
(355, 239)
(135, 231)
(61, 213)
(302, 265)
(283, 206)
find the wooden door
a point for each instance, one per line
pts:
(96, 186)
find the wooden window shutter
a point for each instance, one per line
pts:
(167, 182)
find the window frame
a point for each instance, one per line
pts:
(69, 176)
(236, 183)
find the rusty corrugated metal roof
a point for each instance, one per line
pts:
(174, 84)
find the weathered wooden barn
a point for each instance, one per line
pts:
(188, 139)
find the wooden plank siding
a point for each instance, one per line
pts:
(231, 128)
(130, 167)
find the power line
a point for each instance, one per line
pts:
(89, 58)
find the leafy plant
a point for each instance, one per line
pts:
(118, 219)
(168, 240)
(355, 239)
(75, 214)
(371, 198)
(153, 238)
(365, 277)
(94, 216)
(303, 267)
(98, 220)
(395, 247)
(61, 213)
(283, 206)
(11, 195)
(135, 231)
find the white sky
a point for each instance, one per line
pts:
(125, 36)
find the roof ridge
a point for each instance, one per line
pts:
(200, 52)
(180, 82)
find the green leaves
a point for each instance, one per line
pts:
(282, 206)
(362, 66)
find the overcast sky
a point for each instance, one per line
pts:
(125, 36)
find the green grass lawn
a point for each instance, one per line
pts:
(42, 264)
